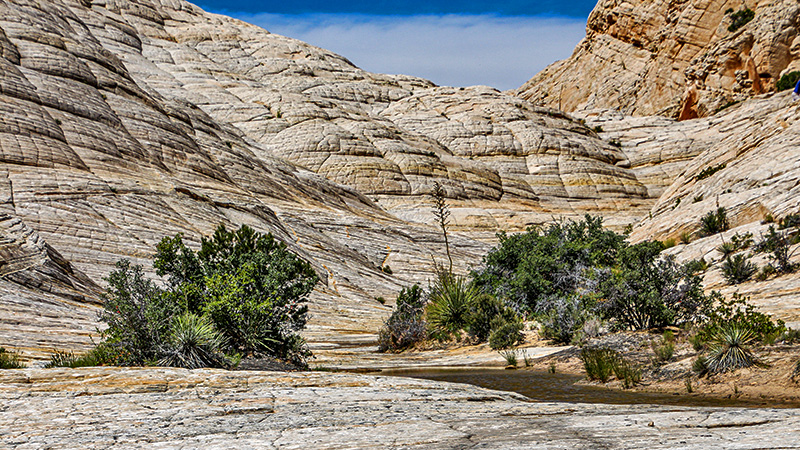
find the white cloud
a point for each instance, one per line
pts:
(451, 50)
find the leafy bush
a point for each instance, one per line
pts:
(599, 363)
(740, 312)
(708, 171)
(484, 309)
(625, 371)
(728, 348)
(406, 326)
(192, 343)
(247, 283)
(714, 222)
(664, 350)
(645, 291)
(698, 341)
(741, 18)
(505, 334)
(790, 221)
(451, 299)
(10, 360)
(738, 269)
(777, 244)
(696, 266)
(528, 268)
(788, 81)
(103, 354)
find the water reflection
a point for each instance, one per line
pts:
(549, 387)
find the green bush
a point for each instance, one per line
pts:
(10, 360)
(738, 269)
(708, 171)
(741, 18)
(599, 363)
(406, 325)
(664, 350)
(505, 334)
(484, 309)
(739, 311)
(788, 81)
(714, 222)
(625, 371)
(510, 356)
(246, 283)
(103, 354)
(698, 341)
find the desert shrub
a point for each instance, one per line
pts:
(741, 18)
(406, 325)
(770, 242)
(685, 237)
(627, 372)
(599, 363)
(103, 354)
(543, 263)
(193, 342)
(777, 244)
(788, 81)
(647, 291)
(669, 243)
(387, 270)
(247, 283)
(790, 221)
(10, 360)
(505, 334)
(484, 309)
(742, 241)
(564, 318)
(700, 365)
(728, 348)
(663, 350)
(708, 171)
(726, 248)
(738, 269)
(714, 222)
(696, 266)
(451, 298)
(697, 341)
(137, 313)
(740, 312)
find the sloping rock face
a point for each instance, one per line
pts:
(673, 58)
(125, 121)
(172, 408)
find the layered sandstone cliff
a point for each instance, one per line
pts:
(673, 58)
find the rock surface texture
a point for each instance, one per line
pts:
(175, 408)
(125, 121)
(673, 58)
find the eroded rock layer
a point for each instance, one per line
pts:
(674, 58)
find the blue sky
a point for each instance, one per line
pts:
(500, 44)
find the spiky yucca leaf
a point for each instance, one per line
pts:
(193, 342)
(451, 297)
(728, 349)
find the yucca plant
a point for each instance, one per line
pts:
(726, 248)
(738, 269)
(193, 342)
(728, 348)
(714, 222)
(450, 300)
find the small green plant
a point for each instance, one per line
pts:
(406, 325)
(700, 365)
(688, 383)
(669, 243)
(714, 222)
(597, 129)
(387, 270)
(685, 237)
(381, 300)
(697, 341)
(192, 343)
(729, 350)
(726, 248)
(787, 81)
(527, 358)
(741, 18)
(625, 371)
(738, 310)
(769, 218)
(510, 356)
(766, 272)
(696, 266)
(697, 198)
(10, 360)
(742, 241)
(738, 269)
(598, 363)
(708, 171)
(505, 334)
(664, 349)
(552, 367)
(790, 221)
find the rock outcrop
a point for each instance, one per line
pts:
(672, 58)
(171, 408)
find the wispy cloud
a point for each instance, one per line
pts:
(452, 50)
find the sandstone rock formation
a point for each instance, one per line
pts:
(125, 121)
(672, 58)
(177, 408)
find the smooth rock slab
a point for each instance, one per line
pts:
(176, 408)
